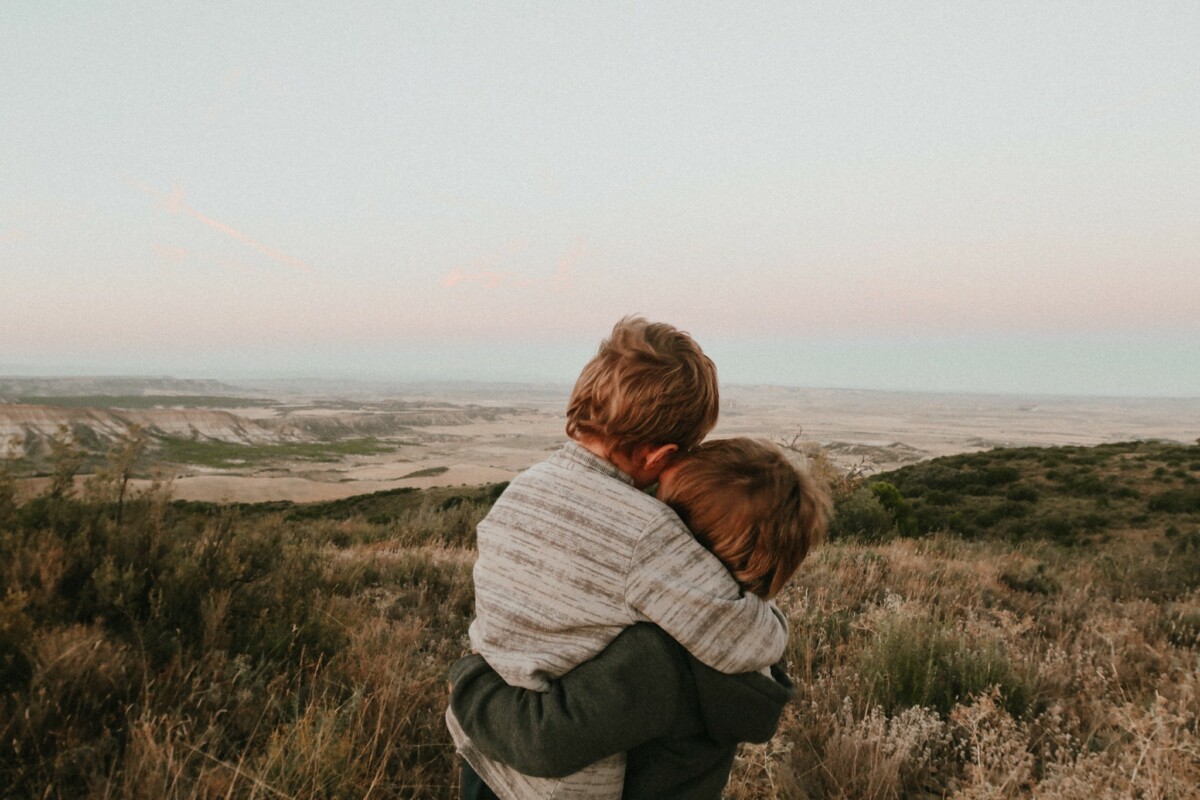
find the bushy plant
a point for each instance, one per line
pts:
(862, 516)
(1022, 493)
(912, 661)
(1000, 475)
(1176, 501)
(900, 509)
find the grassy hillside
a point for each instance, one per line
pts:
(1063, 493)
(1004, 624)
(1071, 495)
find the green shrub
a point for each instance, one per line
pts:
(862, 516)
(1162, 573)
(931, 519)
(945, 477)
(1006, 510)
(1085, 483)
(1176, 501)
(922, 662)
(1022, 493)
(900, 509)
(938, 497)
(1095, 522)
(1059, 528)
(1000, 475)
(8, 494)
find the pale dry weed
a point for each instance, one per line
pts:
(994, 750)
(880, 757)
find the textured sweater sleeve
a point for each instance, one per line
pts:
(628, 694)
(677, 584)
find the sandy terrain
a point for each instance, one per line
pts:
(877, 430)
(455, 434)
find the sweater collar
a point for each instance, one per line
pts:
(576, 453)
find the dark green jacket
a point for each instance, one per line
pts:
(678, 720)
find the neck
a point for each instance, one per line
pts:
(597, 447)
(632, 464)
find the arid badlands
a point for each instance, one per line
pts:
(452, 434)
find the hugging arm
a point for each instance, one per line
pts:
(681, 587)
(628, 694)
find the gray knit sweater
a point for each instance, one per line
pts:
(569, 556)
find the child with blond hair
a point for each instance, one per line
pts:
(574, 551)
(678, 720)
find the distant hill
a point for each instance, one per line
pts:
(13, 387)
(216, 431)
(27, 428)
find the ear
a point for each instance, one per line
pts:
(657, 457)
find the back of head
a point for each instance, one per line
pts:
(649, 383)
(751, 507)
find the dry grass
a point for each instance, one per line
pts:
(188, 651)
(1089, 691)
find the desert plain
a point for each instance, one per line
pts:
(288, 440)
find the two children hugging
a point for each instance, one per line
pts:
(618, 652)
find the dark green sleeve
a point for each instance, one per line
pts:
(628, 694)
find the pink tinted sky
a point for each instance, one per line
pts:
(867, 196)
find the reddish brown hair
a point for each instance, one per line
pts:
(649, 383)
(751, 507)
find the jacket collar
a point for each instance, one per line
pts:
(578, 455)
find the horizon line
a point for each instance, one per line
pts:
(380, 380)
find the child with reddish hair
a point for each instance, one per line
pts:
(574, 552)
(750, 506)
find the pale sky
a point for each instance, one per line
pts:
(943, 196)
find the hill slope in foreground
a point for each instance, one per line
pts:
(1042, 639)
